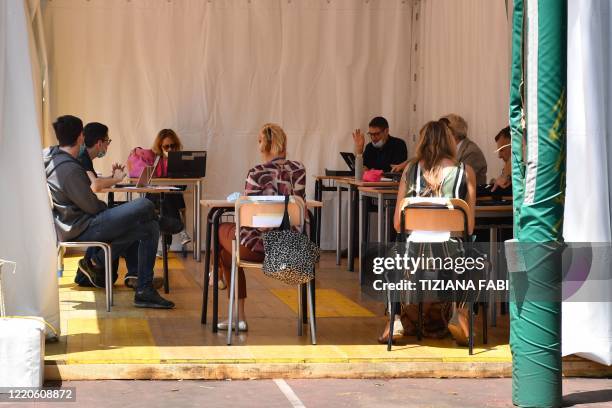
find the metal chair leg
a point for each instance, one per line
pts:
(311, 310)
(392, 312)
(232, 288)
(470, 306)
(300, 323)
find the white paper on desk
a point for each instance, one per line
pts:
(429, 236)
(267, 198)
(267, 220)
(158, 187)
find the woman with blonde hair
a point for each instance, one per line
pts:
(435, 172)
(275, 176)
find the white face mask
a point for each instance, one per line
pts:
(378, 144)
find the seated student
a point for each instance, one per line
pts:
(276, 176)
(95, 147)
(440, 175)
(174, 204)
(468, 152)
(80, 216)
(384, 151)
(504, 149)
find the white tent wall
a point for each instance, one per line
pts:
(587, 327)
(216, 70)
(27, 235)
(463, 68)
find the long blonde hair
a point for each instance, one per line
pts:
(274, 139)
(436, 143)
(164, 133)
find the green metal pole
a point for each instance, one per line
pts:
(538, 92)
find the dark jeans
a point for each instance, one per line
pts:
(132, 230)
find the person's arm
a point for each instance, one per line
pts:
(396, 168)
(100, 183)
(252, 187)
(77, 189)
(470, 197)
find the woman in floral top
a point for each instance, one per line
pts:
(276, 176)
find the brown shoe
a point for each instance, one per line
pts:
(458, 327)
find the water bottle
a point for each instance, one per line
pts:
(358, 167)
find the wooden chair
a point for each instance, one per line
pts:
(437, 215)
(251, 212)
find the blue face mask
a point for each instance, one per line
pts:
(82, 149)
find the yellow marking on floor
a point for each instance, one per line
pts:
(110, 341)
(330, 303)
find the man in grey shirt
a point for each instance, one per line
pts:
(80, 216)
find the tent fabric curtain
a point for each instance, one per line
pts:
(215, 71)
(589, 146)
(27, 236)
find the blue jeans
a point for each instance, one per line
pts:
(132, 230)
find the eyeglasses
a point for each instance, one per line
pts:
(169, 146)
(373, 134)
(108, 141)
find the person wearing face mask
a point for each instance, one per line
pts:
(384, 151)
(95, 147)
(504, 181)
(275, 176)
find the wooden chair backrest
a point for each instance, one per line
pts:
(422, 216)
(247, 209)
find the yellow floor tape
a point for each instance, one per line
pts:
(329, 302)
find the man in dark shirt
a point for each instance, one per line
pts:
(384, 150)
(96, 146)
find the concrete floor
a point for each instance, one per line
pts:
(319, 393)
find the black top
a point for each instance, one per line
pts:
(86, 162)
(392, 152)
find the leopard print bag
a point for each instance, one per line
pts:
(290, 256)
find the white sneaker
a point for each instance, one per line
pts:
(185, 238)
(242, 325)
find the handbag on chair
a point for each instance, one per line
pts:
(290, 256)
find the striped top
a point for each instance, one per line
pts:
(454, 184)
(277, 177)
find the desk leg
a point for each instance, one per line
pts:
(194, 220)
(361, 240)
(339, 225)
(494, 273)
(380, 218)
(351, 228)
(198, 217)
(215, 231)
(164, 248)
(206, 277)
(317, 211)
(387, 216)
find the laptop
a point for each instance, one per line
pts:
(349, 159)
(187, 164)
(146, 175)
